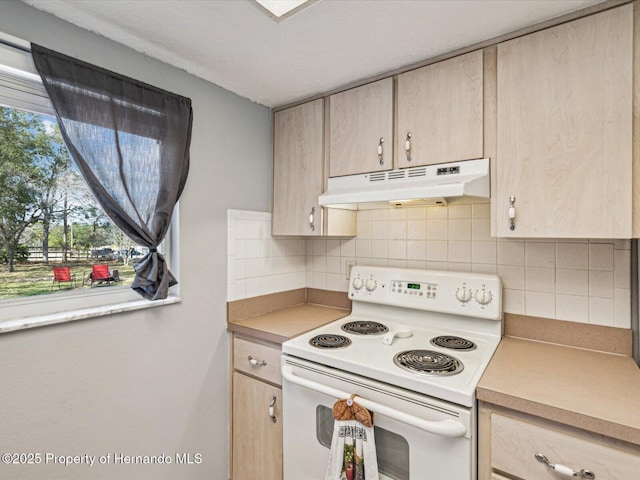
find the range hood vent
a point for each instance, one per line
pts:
(428, 185)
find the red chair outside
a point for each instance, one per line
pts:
(63, 275)
(100, 273)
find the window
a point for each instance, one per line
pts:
(48, 216)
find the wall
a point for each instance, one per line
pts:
(575, 280)
(149, 382)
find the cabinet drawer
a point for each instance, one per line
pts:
(243, 349)
(495, 476)
(514, 444)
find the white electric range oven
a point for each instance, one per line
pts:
(413, 351)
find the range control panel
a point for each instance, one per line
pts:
(426, 290)
(448, 292)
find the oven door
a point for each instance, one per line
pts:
(417, 437)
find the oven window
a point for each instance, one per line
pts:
(392, 450)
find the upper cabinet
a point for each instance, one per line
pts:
(564, 130)
(298, 157)
(440, 112)
(298, 176)
(439, 119)
(552, 109)
(361, 129)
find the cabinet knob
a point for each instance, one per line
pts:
(380, 151)
(272, 412)
(407, 146)
(312, 219)
(512, 212)
(563, 469)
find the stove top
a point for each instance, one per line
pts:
(363, 327)
(405, 332)
(452, 342)
(428, 362)
(328, 340)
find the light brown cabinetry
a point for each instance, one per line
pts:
(361, 129)
(440, 112)
(495, 476)
(564, 129)
(267, 360)
(298, 156)
(509, 442)
(256, 411)
(299, 176)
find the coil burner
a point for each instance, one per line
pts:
(428, 362)
(328, 340)
(363, 327)
(454, 343)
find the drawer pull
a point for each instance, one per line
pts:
(256, 363)
(564, 470)
(272, 412)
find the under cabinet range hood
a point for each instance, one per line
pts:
(428, 185)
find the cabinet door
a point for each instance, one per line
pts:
(298, 157)
(257, 439)
(564, 129)
(361, 126)
(440, 112)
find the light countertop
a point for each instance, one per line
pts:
(281, 325)
(595, 391)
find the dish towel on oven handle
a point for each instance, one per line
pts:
(353, 448)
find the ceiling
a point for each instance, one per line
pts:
(332, 43)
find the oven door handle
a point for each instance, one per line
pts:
(446, 428)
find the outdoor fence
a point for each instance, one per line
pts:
(56, 255)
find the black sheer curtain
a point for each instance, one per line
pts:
(131, 142)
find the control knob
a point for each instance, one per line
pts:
(358, 283)
(463, 294)
(371, 285)
(483, 297)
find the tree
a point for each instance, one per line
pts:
(26, 153)
(79, 206)
(53, 196)
(85, 210)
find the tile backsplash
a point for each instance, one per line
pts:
(257, 263)
(576, 280)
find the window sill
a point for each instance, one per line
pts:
(82, 314)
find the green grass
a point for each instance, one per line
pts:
(37, 279)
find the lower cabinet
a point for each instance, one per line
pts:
(256, 411)
(513, 445)
(495, 476)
